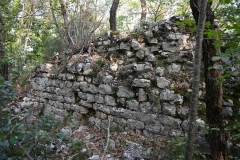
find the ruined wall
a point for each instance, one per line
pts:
(140, 81)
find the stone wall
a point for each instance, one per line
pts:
(140, 81)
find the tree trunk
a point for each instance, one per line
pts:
(195, 82)
(113, 12)
(144, 10)
(3, 65)
(214, 113)
(66, 27)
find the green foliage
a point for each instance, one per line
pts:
(77, 147)
(6, 92)
(176, 149)
(16, 136)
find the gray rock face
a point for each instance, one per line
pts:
(169, 109)
(109, 100)
(160, 71)
(105, 89)
(140, 54)
(169, 47)
(141, 83)
(131, 87)
(133, 105)
(162, 82)
(136, 152)
(134, 124)
(174, 36)
(142, 96)
(169, 95)
(174, 68)
(124, 92)
(135, 45)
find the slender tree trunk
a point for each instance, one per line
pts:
(113, 13)
(195, 82)
(3, 65)
(214, 113)
(66, 27)
(144, 10)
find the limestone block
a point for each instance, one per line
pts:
(112, 49)
(92, 88)
(68, 92)
(90, 98)
(170, 121)
(87, 69)
(154, 41)
(58, 111)
(135, 45)
(69, 99)
(142, 96)
(162, 82)
(183, 111)
(71, 68)
(68, 84)
(125, 92)
(80, 109)
(167, 25)
(79, 67)
(101, 115)
(144, 117)
(80, 78)
(148, 33)
(145, 107)
(154, 128)
(227, 111)
(84, 86)
(82, 95)
(169, 95)
(107, 79)
(106, 43)
(54, 83)
(136, 152)
(62, 77)
(138, 67)
(154, 48)
(50, 89)
(133, 105)
(102, 108)
(134, 124)
(67, 106)
(150, 58)
(121, 113)
(123, 36)
(121, 121)
(160, 71)
(174, 36)
(114, 66)
(174, 68)
(110, 101)
(140, 54)
(165, 54)
(129, 54)
(59, 105)
(99, 98)
(169, 109)
(46, 67)
(76, 86)
(124, 46)
(86, 104)
(169, 47)
(229, 103)
(141, 82)
(105, 89)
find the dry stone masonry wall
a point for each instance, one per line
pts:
(141, 82)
